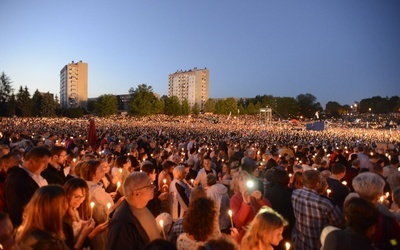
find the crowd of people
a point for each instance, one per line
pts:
(194, 183)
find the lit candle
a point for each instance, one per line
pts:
(108, 210)
(287, 245)
(162, 228)
(328, 191)
(230, 215)
(387, 194)
(290, 175)
(118, 184)
(74, 160)
(91, 209)
(165, 181)
(344, 183)
(120, 170)
(192, 181)
(382, 199)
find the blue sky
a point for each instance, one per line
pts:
(341, 50)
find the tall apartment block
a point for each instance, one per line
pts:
(191, 85)
(74, 85)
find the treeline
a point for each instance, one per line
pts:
(144, 102)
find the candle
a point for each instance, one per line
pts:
(165, 181)
(192, 181)
(290, 175)
(118, 185)
(230, 215)
(382, 199)
(74, 160)
(162, 228)
(287, 245)
(91, 209)
(164, 188)
(344, 182)
(120, 170)
(108, 210)
(387, 194)
(328, 191)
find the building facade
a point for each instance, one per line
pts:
(191, 85)
(74, 85)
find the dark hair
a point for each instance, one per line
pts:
(121, 160)
(199, 219)
(148, 167)
(57, 150)
(37, 153)
(279, 177)
(338, 168)
(160, 244)
(361, 215)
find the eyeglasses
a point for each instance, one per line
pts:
(78, 197)
(150, 186)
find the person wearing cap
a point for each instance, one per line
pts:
(133, 226)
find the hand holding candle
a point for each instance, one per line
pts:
(328, 192)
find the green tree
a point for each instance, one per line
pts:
(286, 106)
(73, 112)
(5, 91)
(231, 106)
(143, 101)
(24, 102)
(220, 107)
(209, 106)
(195, 109)
(106, 105)
(11, 105)
(308, 105)
(251, 109)
(36, 103)
(48, 106)
(185, 107)
(333, 108)
(172, 106)
(91, 106)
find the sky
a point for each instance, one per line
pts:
(341, 50)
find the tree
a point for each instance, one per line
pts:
(172, 106)
(333, 108)
(195, 109)
(11, 105)
(251, 110)
(308, 105)
(106, 105)
(5, 91)
(143, 101)
(286, 106)
(36, 103)
(24, 102)
(185, 107)
(48, 106)
(209, 106)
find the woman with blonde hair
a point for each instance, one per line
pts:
(265, 231)
(42, 227)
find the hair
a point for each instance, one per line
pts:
(199, 217)
(44, 212)
(121, 160)
(179, 172)
(361, 215)
(338, 168)
(57, 150)
(88, 169)
(148, 167)
(77, 183)
(311, 178)
(168, 164)
(279, 177)
(196, 193)
(263, 224)
(211, 179)
(236, 177)
(37, 153)
(223, 242)
(160, 244)
(133, 181)
(394, 160)
(356, 163)
(368, 185)
(396, 195)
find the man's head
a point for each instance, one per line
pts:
(207, 163)
(312, 179)
(138, 189)
(211, 179)
(36, 159)
(58, 155)
(339, 170)
(179, 172)
(368, 186)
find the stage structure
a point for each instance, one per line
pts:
(265, 116)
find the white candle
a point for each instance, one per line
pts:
(382, 199)
(387, 194)
(91, 209)
(162, 228)
(118, 185)
(74, 160)
(287, 245)
(328, 191)
(344, 182)
(230, 215)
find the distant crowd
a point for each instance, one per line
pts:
(206, 182)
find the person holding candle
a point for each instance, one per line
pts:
(245, 202)
(312, 212)
(132, 225)
(179, 193)
(339, 191)
(265, 230)
(92, 171)
(370, 186)
(78, 226)
(42, 224)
